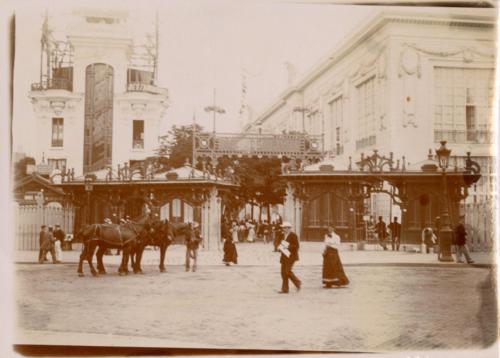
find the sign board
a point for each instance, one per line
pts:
(43, 169)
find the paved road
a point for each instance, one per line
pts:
(385, 308)
(261, 254)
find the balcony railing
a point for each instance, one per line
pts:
(146, 88)
(464, 136)
(366, 142)
(54, 83)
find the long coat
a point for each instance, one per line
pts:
(333, 272)
(293, 247)
(230, 253)
(48, 241)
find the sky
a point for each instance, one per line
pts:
(204, 45)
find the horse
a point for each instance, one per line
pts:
(105, 236)
(161, 234)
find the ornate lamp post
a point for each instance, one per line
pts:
(88, 188)
(445, 234)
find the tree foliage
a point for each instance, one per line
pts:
(20, 167)
(259, 178)
(177, 145)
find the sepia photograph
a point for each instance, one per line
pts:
(252, 177)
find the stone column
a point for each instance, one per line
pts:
(289, 206)
(211, 217)
(297, 224)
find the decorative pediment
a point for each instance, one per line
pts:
(57, 107)
(138, 108)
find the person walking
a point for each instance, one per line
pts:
(230, 253)
(289, 248)
(333, 271)
(251, 231)
(42, 255)
(428, 239)
(48, 245)
(461, 242)
(234, 232)
(193, 239)
(381, 230)
(437, 232)
(395, 229)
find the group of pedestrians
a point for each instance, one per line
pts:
(430, 239)
(392, 231)
(51, 240)
(288, 245)
(250, 230)
(333, 272)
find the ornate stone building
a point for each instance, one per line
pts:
(401, 83)
(97, 103)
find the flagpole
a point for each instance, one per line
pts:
(194, 140)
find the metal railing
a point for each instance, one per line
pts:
(290, 145)
(464, 136)
(54, 83)
(146, 88)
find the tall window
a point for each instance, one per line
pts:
(59, 164)
(336, 111)
(366, 113)
(463, 104)
(57, 132)
(138, 134)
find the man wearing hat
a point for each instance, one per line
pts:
(289, 248)
(59, 234)
(193, 239)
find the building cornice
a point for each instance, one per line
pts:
(372, 26)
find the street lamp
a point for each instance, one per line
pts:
(88, 188)
(214, 109)
(302, 110)
(445, 233)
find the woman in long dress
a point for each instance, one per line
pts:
(251, 231)
(333, 272)
(230, 253)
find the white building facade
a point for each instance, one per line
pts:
(100, 110)
(401, 83)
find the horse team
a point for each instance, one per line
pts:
(131, 237)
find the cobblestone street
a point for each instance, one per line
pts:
(385, 308)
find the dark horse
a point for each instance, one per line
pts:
(160, 234)
(126, 237)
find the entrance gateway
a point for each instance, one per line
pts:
(319, 193)
(331, 193)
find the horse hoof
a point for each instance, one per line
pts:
(94, 274)
(80, 274)
(163, 270)
(102, 272)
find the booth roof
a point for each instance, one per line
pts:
(185, 172)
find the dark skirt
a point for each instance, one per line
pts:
(333, 272)
(230, 253)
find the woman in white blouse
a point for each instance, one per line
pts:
(333, 272)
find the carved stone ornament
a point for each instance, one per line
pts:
(57, 107)
(138, 109)
(409, 63)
